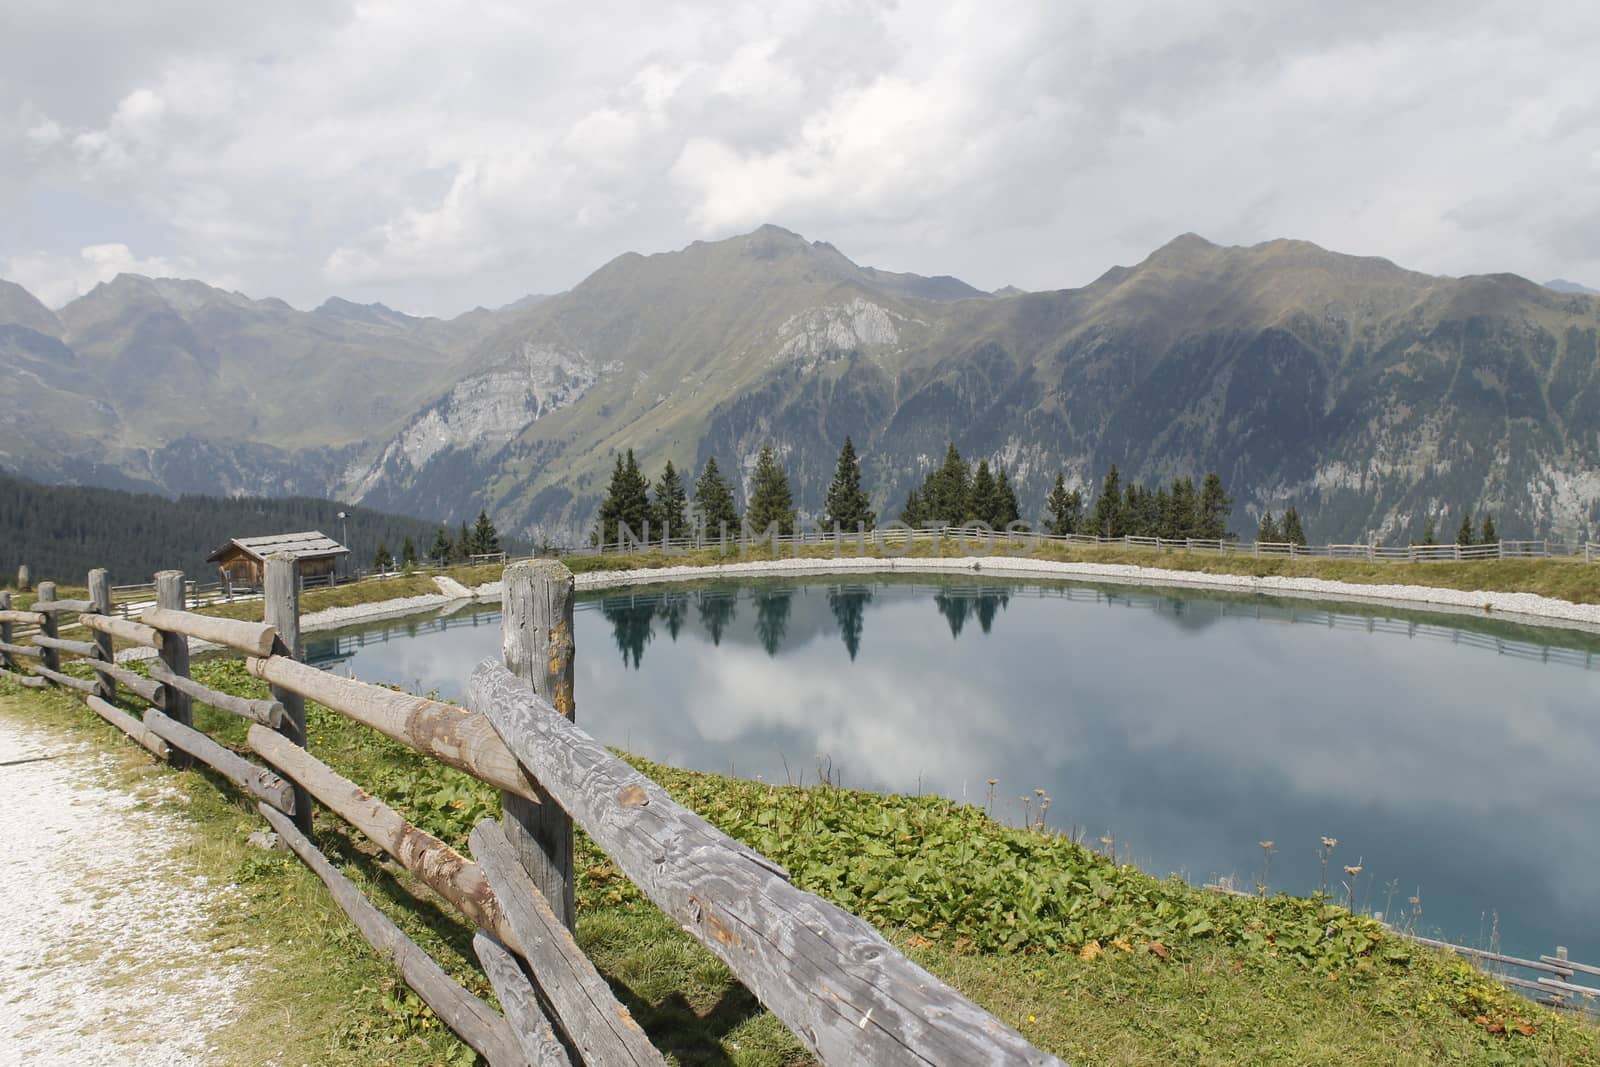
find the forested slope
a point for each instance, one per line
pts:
(60, 532)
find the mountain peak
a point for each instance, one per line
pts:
(374, 314)
(21, 307)
(1561, 285)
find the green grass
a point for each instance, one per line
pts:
(1095, 961)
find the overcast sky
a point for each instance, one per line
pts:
(439, 156)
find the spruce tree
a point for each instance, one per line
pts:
(983, 499)
(771, 502)
(1428, 536)
(485, 538)
(1107, 521)
(1267, 531)
(1063, 509)
(1181, 518)
(947, 495)
(670, 505)
(442, 547)
(915, 512)
(847, 507)
(408, 552)
(1215, 508)
(1007, 511)
(1490, 535)
(464, 546)
(713, 499)
(627, 502)
(1292, 531)
(1464, 534)
(382, 560)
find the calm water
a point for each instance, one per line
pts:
(1458, 757)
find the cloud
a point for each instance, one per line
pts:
(439, 155)
(57, 279)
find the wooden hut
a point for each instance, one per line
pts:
(241, 559)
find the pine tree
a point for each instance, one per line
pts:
(464, 543)
(1181, 519)
(485, 538)
(983, 499)
(1215, 508)
(947, 494)
(442, 547)
(627, 503)
(382, 560)
(847, 507)
(1428, 536)
(1490, 535)
(915, 511)
(1267, 531)
(713, 499)
(671, 504)
(1464, 534)
(771, 503)
(408, 552)
(1007, 512)
(1063, 509)
(1107, 521)
(1292, 531)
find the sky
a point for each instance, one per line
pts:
(440, 156)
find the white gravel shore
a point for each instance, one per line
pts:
(1524, 607)
(1517, 607)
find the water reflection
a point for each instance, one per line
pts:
(1454, 755)
(849, 607)
(716, 611)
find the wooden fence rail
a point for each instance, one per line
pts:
(846, 992)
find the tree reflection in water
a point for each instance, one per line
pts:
(849, 606)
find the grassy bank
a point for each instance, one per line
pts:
(1097, 962)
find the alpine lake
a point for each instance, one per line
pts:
(1454, 759)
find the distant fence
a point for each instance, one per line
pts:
(847, 994)
(898, 536)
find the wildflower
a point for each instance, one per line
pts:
(1329, 842)
(1353, 870)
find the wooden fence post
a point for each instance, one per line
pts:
(48, 628)
(24, 578)
(174, 652)
(280, 591)
(100, 597)
(6, 659)
(536, 632)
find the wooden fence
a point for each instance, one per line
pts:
(847, 994)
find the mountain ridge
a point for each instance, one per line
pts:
(1367, 394)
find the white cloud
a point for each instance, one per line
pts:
(442, 155)
(57, 279)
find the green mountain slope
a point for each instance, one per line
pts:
(178, 386)
(1365, 394)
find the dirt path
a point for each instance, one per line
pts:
(99, 958)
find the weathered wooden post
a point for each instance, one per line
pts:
(52, 657)
(174, 653)
(536, 631)
(280, 590)
(100, 597)
(6, 659)
(24, 578)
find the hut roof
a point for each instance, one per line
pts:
(312, 543)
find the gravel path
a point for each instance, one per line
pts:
(98, 960)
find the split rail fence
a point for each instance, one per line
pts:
(846, 993)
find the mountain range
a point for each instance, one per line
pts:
(1368, 396)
